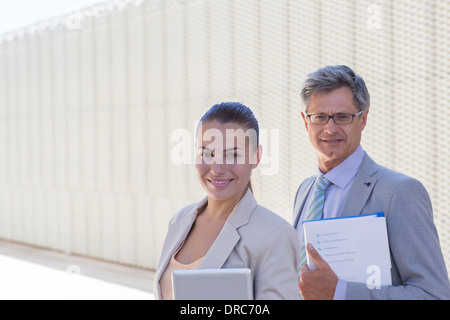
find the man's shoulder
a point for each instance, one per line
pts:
(392, 178)
(305, 184)
(391, 174)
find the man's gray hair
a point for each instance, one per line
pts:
(330, 78)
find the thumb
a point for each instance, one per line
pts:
(315, 256)
(304, 269)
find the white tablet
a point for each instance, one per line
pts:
(212, 284)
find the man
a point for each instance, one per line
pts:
(336, 106)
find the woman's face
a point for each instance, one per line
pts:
(225, 158)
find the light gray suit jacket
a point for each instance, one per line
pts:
(418, 267)
(252, 237)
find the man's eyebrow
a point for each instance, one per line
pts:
(204, 148)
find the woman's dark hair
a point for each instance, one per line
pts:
(233, 112)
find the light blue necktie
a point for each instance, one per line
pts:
(315, 210)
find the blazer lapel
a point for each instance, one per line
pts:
(229, 236)
(221, 248)
(361, 189)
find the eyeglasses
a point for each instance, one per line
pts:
(338, 119)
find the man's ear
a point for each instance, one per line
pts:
(364, 119)
(305, 120)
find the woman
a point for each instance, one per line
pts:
(228, 229)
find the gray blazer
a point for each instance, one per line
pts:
(418, 267)
(252, 237)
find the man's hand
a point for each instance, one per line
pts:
(320, 283)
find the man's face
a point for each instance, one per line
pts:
(334, 143)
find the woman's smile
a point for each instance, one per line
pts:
(220, 183)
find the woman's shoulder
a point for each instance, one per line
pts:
(185, 211)
(267, 228)
(268, 219)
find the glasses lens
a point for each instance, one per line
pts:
(343, 118)
(319, 119)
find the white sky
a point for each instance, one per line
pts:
(18, 14)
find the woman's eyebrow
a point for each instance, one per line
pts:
(226, 150)
(233, 149)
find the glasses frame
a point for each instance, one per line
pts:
(332, 117)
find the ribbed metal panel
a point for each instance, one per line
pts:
(92, 106)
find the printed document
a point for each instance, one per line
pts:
(356, 248)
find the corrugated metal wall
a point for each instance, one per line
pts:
(93, 105)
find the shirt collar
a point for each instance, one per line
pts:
(343, 173)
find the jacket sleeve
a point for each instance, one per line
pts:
(276, 271)
(415, 249)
